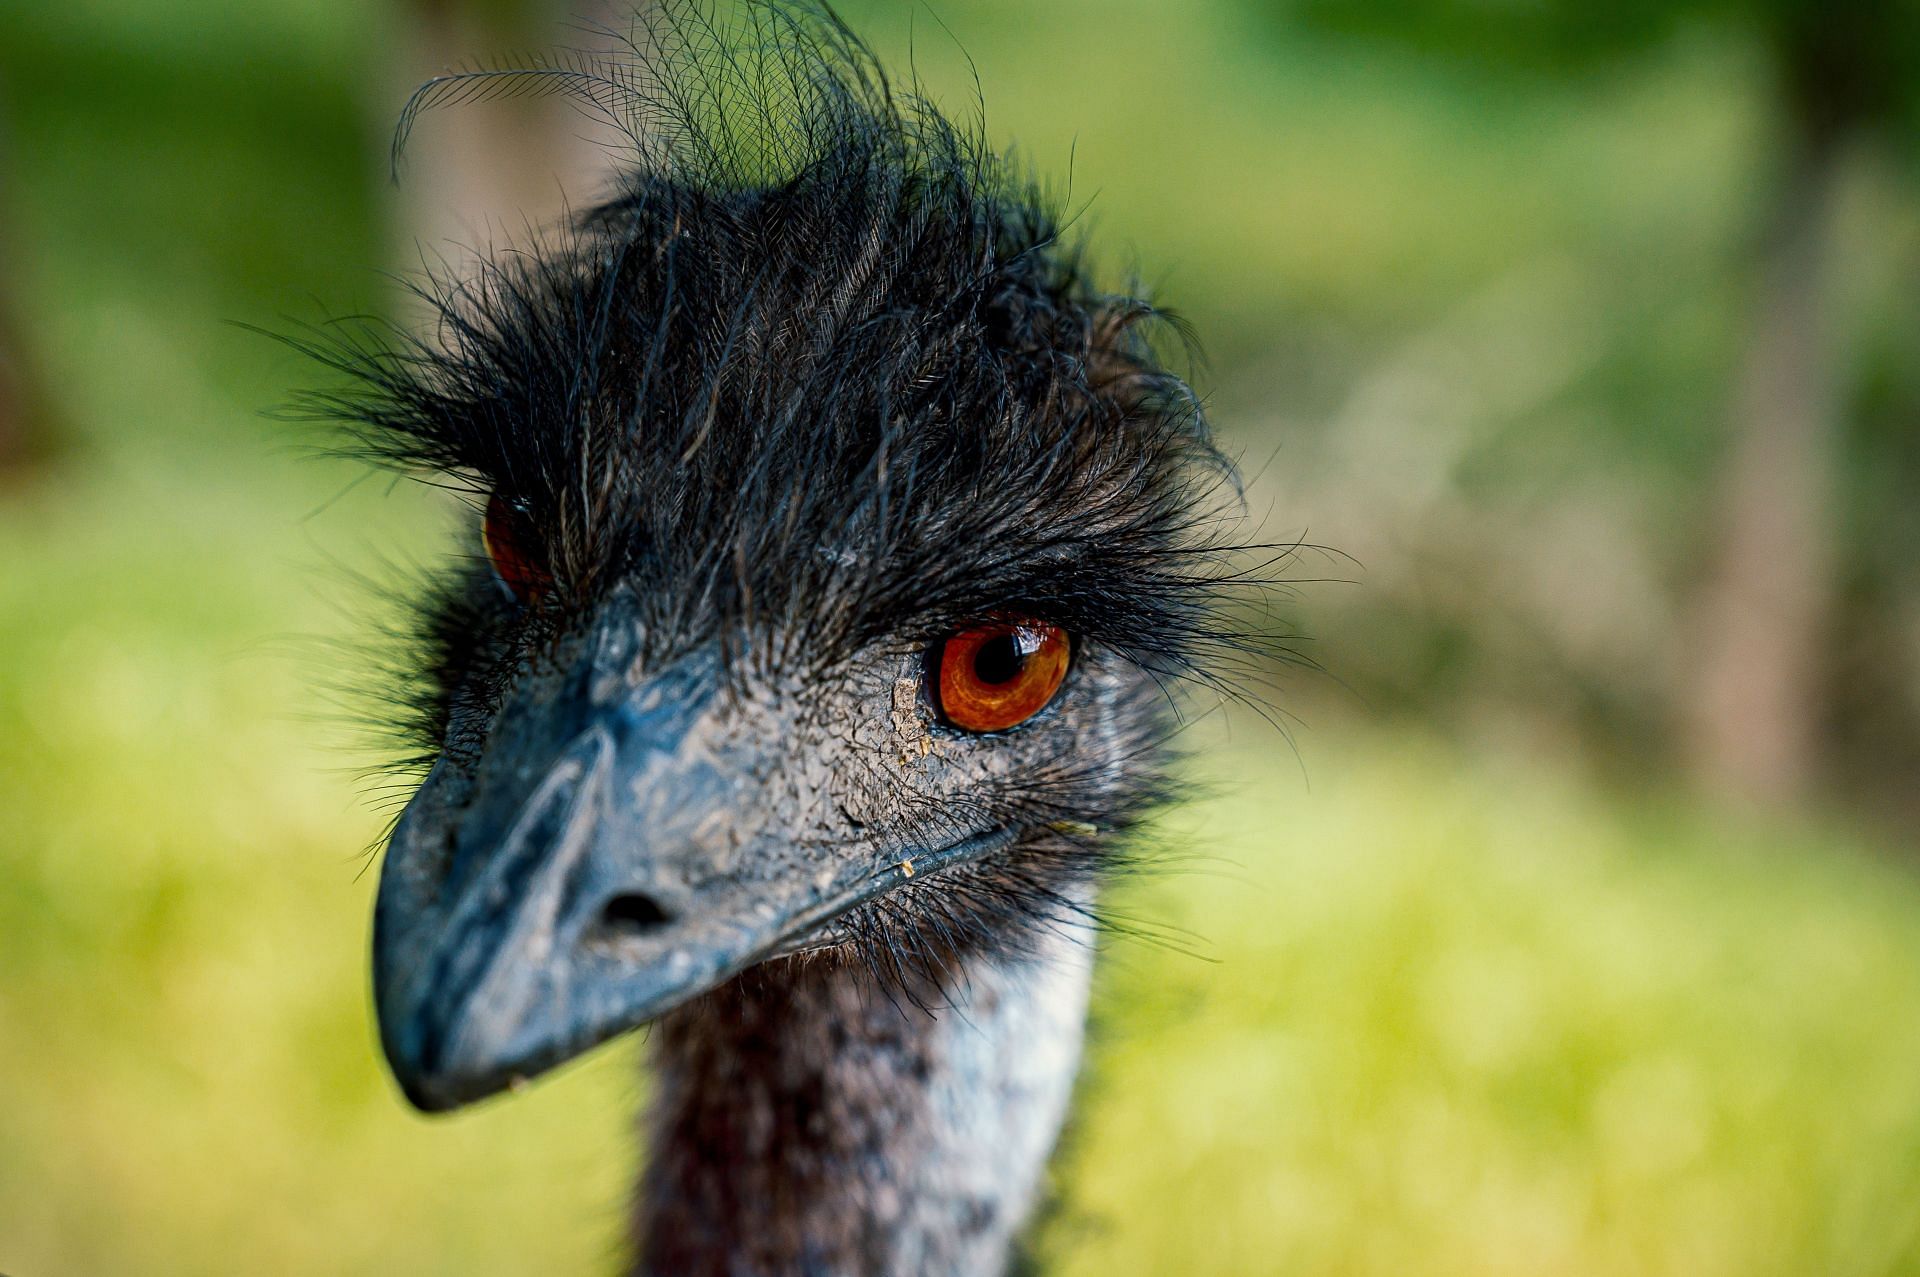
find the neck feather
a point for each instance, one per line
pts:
(806, 1123)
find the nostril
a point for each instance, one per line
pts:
(632, 913)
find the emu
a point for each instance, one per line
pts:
(838, 546)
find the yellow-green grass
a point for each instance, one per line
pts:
(1470, 1020)
(1466, 1017)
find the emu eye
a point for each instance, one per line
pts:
(513, 545)
(998, 675)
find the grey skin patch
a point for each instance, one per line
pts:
(908, 721)
(912, 721)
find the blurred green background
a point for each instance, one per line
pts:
(1576, 930)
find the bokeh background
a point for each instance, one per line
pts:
(1571, 925)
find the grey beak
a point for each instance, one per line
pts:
(583, 894)
(591, 883)
(602, 865)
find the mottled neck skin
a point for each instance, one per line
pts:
(807, 1125)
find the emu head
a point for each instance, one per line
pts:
(836, 544)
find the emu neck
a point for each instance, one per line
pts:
(805, 1124)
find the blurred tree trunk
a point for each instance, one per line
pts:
(484, 171)
(30, 431)
(1754, 706)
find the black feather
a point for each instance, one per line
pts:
(822, 362)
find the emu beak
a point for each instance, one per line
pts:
(608, 860)
(582, 890)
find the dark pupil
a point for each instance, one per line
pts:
(521, 539)
(999, 659)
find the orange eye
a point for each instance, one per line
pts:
(999, 675)
(513, 544)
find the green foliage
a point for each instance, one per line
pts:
(1551, 36)
(1854, 63)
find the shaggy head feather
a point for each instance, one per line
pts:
(817, 385)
